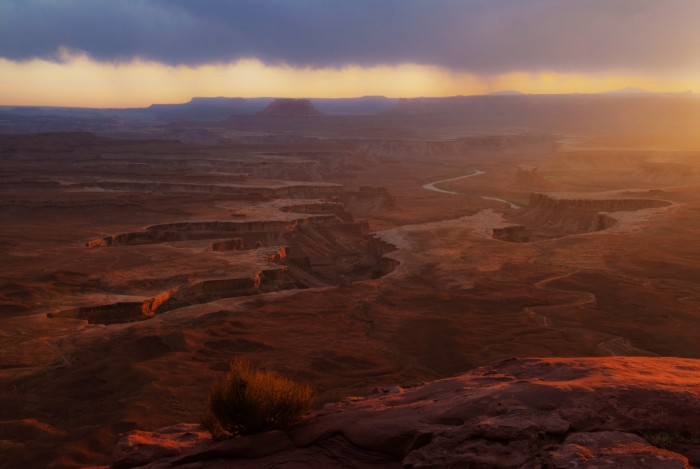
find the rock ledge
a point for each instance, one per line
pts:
(516, 413)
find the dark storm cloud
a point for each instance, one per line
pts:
(482, 36)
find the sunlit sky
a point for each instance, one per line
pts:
(132, 53)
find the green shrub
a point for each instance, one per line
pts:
(665, 439)
(250, 401)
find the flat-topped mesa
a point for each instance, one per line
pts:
(580, 215)
(243, 226)
(285, 107)
(251, 191)
(557, 205)
(551, 216)
(233, 102)
(268, 279)
(193, 230)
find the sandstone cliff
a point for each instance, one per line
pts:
(582, 214)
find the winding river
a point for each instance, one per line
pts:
(431, 187)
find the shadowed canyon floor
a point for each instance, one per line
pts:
(132, 272)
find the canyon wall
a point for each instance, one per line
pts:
(234, 244)
(185, 295)
(578, 215)
(182, 231)
(557, 205)
(513, 233)
(286, 191)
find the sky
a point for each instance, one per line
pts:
(127, 53)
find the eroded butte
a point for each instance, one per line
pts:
(133, 271)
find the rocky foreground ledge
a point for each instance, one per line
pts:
(516, 413)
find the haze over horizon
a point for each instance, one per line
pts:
(133, 54)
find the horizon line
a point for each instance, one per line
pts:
(497, 94)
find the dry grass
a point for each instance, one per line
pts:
(250, 401)
(665, 439)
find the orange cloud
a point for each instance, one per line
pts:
(80, 81)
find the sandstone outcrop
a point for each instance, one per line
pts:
(185, 295)
(327, 249)
(386, 266)
(516, 413)
(513, 233)
(557, 204)
(377, 247)
(580, 215)
(603, 221)
(182, 231)
(256, 226)
(234, 244)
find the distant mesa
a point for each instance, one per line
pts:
(217, 101)
(290, 108)
(505, 93)
(417, 105)
(207, 103)
(235, 102)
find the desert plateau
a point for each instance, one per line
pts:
(135, 270)
(284, 234)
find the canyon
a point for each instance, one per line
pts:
(416, 266)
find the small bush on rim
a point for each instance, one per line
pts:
(250, 401)
(666, 439)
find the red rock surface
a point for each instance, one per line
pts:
(516, 413)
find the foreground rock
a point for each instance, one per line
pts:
(516, 413)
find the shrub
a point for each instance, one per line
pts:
(250, 401)
(665, 439)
